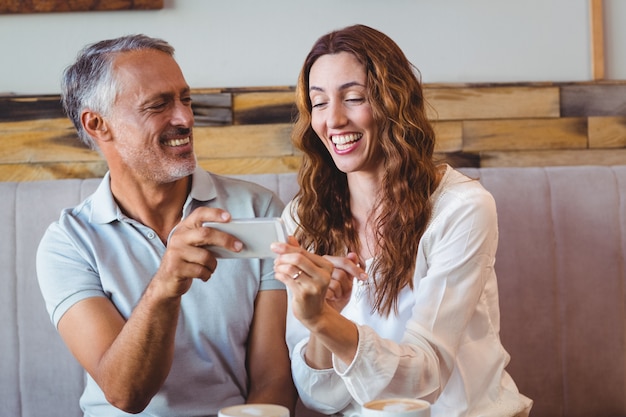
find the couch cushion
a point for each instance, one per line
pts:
(50, 378)
(9, 346)
(561, 284)
(560, 267)
(591, 287)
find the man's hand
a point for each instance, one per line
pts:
(187, 256)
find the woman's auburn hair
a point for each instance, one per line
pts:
(407, 141)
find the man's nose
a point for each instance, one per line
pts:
(182, 115)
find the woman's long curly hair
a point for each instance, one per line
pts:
(407, 141)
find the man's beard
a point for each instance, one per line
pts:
(158, 169)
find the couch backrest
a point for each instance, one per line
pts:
(561, 278)
(39, 376)
(560, 268)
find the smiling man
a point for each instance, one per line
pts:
(159, 325)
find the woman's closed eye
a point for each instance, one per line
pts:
(355, 100)
(318, 104)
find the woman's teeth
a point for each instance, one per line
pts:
(343, 142)
(177, 142)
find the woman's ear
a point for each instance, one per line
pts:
(95, 125)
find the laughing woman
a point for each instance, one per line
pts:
(391, 269)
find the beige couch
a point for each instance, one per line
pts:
(561, 270)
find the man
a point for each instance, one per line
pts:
(160, 326)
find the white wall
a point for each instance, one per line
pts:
(232, 43)
(615, 42)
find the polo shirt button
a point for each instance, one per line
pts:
(151, 235)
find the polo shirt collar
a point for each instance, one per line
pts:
(202, 185)
(106, 210)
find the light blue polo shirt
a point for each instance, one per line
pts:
(94, 250)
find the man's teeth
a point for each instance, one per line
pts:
(345, 141)
(177, 142)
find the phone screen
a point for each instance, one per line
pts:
(256, 234)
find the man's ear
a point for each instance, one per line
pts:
(95, 125)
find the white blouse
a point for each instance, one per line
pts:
(443, 345)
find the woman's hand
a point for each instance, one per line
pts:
(307, 276)
(340, 287)
(316, 282)
(321, 287)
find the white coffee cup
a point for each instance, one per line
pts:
(254, 410)
(396, 407)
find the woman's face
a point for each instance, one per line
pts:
(341, 114)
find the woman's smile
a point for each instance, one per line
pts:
(346, 141)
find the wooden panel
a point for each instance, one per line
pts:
(50, 145)
(458, 159)
(593, 100)
(236, 166)
(607, 132)
(35, 125)
(226, 166)
(51, 171)
(264, 107)
(492, 102)
(19, 108)
(525, 134)
(449, 136)
(63, 145)
(243, 141)
(553, 158)
(47, 6)
(212, 109)
(247, 129)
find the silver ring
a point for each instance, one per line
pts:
(297, 274)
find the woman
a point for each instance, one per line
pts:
(391, 269)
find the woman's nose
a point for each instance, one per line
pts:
(336, 116)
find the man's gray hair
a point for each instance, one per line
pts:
(90, 83)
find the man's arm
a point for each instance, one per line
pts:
(130, 359)
(268, 362)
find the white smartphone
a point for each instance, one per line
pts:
(256, 234)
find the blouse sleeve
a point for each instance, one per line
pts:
(455, 257)
(454, 305)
